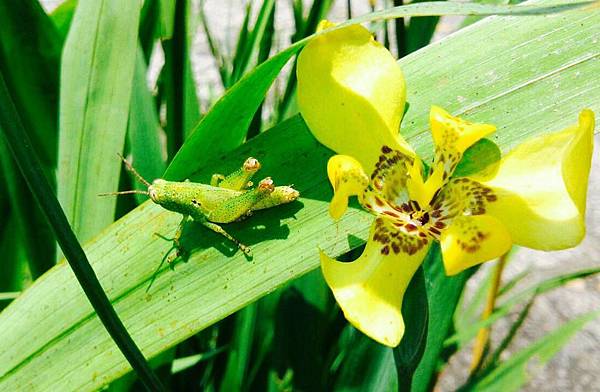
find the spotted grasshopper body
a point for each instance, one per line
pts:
(226, 199)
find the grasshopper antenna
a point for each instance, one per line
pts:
(133, 171)
(136, 174)
(124, 193)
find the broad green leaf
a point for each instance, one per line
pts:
(225, 126)
(96, 79)
(512, 374)
(537, 87)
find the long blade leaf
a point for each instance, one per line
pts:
(96, 79)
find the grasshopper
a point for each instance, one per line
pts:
(227, 199)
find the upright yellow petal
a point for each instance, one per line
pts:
(351, 93)
(470, 240)
(348, 179)
(453, 132)
(452, 136)
(540, 187)
(370, 289)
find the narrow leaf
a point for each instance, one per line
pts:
(512, 374)
(96, 79)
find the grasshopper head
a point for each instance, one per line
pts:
(156, 190)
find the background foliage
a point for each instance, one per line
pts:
(78, 78)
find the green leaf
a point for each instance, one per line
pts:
(30, 166)
(183, 109)
(415, 311)
(63, 15)
(512, 374)
(443, 293)
(366, 366)
(462, 337)
(537, 87)
(224, 127)
(253, 40)
(30, 50)
(143, 128)
(96, 79)
(494, 358)
(477, 157)
(167, 18)
(420, 31)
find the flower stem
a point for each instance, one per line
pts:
(483, 335)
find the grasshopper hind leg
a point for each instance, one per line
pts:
(218, 229)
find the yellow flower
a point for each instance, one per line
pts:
(351, 93)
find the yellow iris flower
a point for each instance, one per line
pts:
(351, 94)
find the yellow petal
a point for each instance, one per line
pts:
(370, 289)
(541, 187)
(471, 240)
(454, 133)
(452, 136)
(351, 93)
(420, 190)
(348, 179)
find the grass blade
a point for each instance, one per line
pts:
(97, 75)
(30, 48)
(144, 128)
(512, 374)
(465, 335)
(29, 164)
(225, 126)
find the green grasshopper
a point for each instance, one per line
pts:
(227, 199)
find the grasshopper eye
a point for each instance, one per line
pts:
(251, 164)
(266, 185)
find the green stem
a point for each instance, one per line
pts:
(483, 336)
